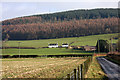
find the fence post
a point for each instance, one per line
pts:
(81, 70)
(78, 73)
(68, 76)
(84, 70)
(75, 74)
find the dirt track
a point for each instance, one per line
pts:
(111, 69)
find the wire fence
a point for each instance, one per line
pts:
(79, 72)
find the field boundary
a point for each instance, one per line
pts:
(114, 58)
(34, 56)
(100, 54)
(80, 71)
(18, 47)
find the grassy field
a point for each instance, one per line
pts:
(78, 41)
(49, 67)
(39, 67)
(81, 41)
(42, 51)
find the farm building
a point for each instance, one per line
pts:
(89, 48)
(65, 45)
(55, 45)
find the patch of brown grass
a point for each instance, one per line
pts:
(39, 67)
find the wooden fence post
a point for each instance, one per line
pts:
(68, 76)
(75, 74)
(78, 73)
(81, 69)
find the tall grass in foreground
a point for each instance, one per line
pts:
(39, 67)
(95, 71)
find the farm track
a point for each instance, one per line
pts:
(111, 69)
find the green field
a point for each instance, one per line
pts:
(81, 41)
(42, 51)
(39, 67)
(78, 41)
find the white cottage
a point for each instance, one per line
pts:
(53, 45)
(65, 45)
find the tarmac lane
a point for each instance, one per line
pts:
(111, 69)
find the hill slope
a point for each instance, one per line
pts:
(67, 15)
(59, 25)
(78, 41)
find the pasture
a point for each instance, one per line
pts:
(78, 41)
(39, 67)
(45, 67)
(42, 51)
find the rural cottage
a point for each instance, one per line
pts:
(53, 45)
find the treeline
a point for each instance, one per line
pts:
(58, 29)
(64, 16)
(118, 42)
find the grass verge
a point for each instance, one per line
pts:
(95, 71)
(112, 60)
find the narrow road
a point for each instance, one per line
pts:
(111, 69)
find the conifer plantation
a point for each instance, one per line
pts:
(62, 24)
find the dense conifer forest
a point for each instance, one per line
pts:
(62, 24)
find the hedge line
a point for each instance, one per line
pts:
(33, 56)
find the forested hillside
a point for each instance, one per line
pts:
(62, 16)
(63, 24)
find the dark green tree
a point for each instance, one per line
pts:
(102, 46)
(118, 45)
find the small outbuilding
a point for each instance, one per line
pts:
(54, 45)
(89, 48)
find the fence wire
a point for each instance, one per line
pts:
(80, 71)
